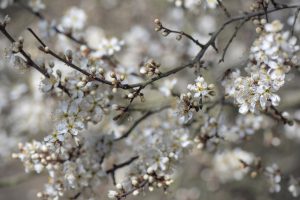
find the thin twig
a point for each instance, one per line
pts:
(136, 123)
(182, 33)
(115, 167)
(224, 8)
(295, 20)
(237, 28)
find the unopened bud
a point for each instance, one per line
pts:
(130, 95)
(113, 74)
(178, 37)
(21, 40)
(122, 77)
(119, 186)
(46, 49)
(143, 70)
(157, 21)
(165, 33)
(69, 54)
(135, 192)
(6, 20)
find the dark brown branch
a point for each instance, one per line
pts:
(280, 116)
(274, 4)
(237, 28)
(224, 8)
(29, 61)
(182, 33)
(46, 50)
(115, 167)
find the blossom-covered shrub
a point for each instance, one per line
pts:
(105, 115)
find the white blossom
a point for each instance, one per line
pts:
(75, 18)
(272, 55)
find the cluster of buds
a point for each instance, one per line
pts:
(150, 180)
(160, 28)
(150, 68)
(259, 23)
(115, 80)
(36, 156)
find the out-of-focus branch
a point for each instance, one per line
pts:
(295, 20)
(14, 180)
(137, 122)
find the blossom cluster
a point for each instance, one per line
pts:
(71, 169)
(199, 92)
(166, 145)
(271, 58)
(108, 101)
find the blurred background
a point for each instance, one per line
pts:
(25, 114)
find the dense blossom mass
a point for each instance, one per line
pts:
(105, 113)
(271, 57)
